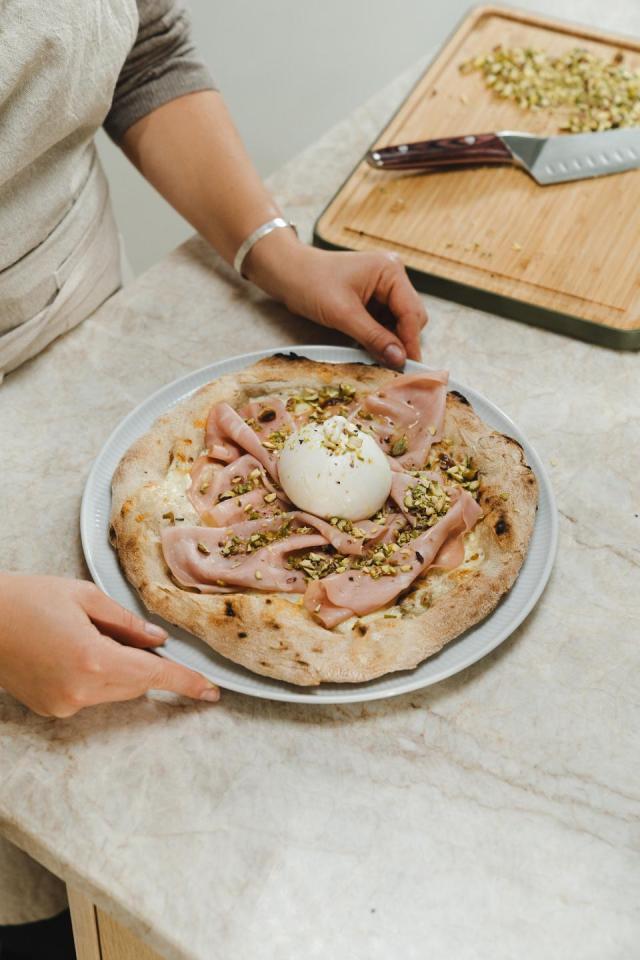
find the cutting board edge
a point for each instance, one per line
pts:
(531, 314)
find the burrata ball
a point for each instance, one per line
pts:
(334, 469)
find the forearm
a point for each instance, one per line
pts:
(191, 152)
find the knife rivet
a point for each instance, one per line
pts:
(470, 139)
(403, 149)
(375, 155)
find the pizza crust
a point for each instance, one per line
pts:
(272, 633)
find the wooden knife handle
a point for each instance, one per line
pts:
(441, 153)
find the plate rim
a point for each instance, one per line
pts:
(367, 690)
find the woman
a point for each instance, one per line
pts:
(130, 67)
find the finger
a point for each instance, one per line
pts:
(157, 673)
(116, 621)
(381, 342)
(127, 673)
(396, 291)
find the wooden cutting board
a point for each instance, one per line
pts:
(565, 257)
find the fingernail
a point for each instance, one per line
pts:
(155, 631)
(393, 355)
(212, 694)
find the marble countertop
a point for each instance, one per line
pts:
(492, 816)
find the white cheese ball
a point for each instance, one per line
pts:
(334, 469)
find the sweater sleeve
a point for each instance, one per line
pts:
(161, 65)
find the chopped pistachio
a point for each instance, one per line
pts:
(203, 548)
(399, 446)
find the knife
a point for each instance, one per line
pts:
(547, 159)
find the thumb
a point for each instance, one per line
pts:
(379, 341)
(117, 622)
(167, 675)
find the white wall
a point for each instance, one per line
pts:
(289, 69)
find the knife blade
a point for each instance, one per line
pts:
(548, 160)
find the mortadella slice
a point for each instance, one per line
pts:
(408, 416)
(342, 595)
(193, 554)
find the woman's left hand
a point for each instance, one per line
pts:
(335, 289)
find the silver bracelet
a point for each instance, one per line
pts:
(253, 238)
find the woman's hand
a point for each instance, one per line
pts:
(335, 289)
(65, 645)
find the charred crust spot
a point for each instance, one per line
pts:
(266, 416)
(265, 663)
(361, 628)
(242, 634)
(273, 624)
(316, 649)
(501, 527)
(514, 442)
(289, 356)
(112, 535)
(228, 609)
(303, 663)
(402, 596)
(460, 397)
(268, 600)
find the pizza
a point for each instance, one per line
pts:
(323, 522)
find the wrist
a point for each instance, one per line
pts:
(274, 262)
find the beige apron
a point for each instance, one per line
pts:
(89, 274)
(60, 254)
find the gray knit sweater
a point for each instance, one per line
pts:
(161, 66)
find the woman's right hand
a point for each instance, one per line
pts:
(65, 645)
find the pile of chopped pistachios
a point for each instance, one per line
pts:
(465, 474)
(592, 93)
(235, 545)
(427, 501)
(276, 440)
(380, 562)
(239, 485)
(348, 526)
(322, 403)
(315, 565)
(341, 438)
